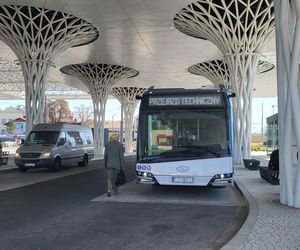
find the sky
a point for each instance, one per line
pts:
(265, 107)
(113, 109)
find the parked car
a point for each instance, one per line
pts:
(6, 138)
(55, 145)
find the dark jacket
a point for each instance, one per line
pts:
(274, 160)
(113, 155)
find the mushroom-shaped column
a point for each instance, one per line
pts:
(99, 79)
(216, 71)
(240, 29)
(37, 36)
(126, 96)
(288, 75)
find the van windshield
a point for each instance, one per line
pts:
(42, 137)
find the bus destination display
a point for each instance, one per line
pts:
(185, 100)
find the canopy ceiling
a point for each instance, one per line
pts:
(140, 34)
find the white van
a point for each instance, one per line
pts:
(55, 145)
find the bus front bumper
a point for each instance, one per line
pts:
(207, 182)
(222, 182)
(146, 180)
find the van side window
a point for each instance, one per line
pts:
(71, 138)
(74, 138)
(89, 138)
(83, 137)
(62, 137)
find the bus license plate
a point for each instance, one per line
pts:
(181, 179)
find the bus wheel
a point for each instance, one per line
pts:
(22, 169)
(56, 166)
(84, 162)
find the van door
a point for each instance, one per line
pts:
(76, 154)
(64, 149)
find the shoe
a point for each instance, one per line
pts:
(108, 194)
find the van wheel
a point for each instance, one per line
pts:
(84, 162)
(56, 166)
(22, 169)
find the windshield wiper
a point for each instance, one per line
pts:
(149, 158)
(173, 154)
(205, 149)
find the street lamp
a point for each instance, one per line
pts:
(273, 106)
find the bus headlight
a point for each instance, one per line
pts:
(17, 155)
(223, 176)
(47, 154)
(144, 174)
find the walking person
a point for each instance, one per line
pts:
(114, 161)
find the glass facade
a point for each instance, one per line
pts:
(272, 133)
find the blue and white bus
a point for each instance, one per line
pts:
(185, 137)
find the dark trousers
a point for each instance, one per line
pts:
(111, 180)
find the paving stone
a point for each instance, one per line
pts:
(277, 226)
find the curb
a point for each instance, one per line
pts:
(242, 234)
(9, 170)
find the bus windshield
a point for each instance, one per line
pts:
(42, 137)
(183, 134)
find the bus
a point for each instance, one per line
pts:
(185, 137)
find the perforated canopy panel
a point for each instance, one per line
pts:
(141, 35)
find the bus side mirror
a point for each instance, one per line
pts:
(232, 95)
(138, 97)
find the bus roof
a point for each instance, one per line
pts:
(183, 91)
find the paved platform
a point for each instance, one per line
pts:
(139, 193)
(269, 225)
(11, 178)
(59, 214)
(15, 179)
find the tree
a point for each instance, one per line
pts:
(10, 127)
(84, 115)
(59, 111)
